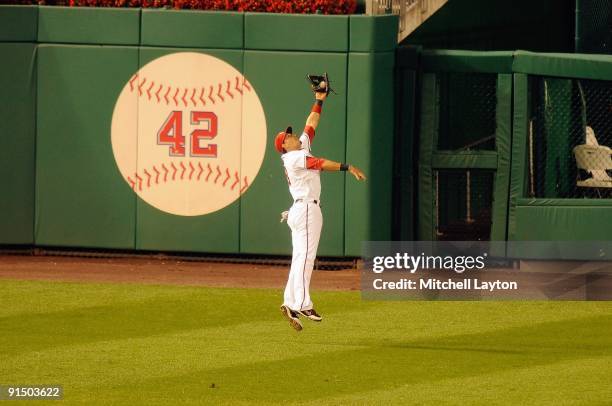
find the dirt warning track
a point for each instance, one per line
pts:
(164, 271)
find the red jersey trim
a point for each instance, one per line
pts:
(314, 163)
(310, 131)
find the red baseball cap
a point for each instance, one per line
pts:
(280, 139)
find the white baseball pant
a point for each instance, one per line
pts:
(305, 221)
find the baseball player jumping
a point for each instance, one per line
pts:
(304, 218)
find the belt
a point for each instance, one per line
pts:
(307, 201)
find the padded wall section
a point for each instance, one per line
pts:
(17, 133)
(428, 137)
(192, 28)
(18, 23)
(598, 67)
(558, 223)
(158, 229)
(89, 25)
(518, 162)
(296, 32)
(81, 199)
(288, 102)
(369, 146)
(503, 142)
(404, 160)
(373, 33)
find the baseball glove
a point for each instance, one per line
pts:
(320, 83)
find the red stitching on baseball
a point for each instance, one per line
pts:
(227, 176)
(156, 175)
(237, 181)
(135, 77)
(148, 178)
(209, 172)
(174, 97)
(219, 92)
(238, 84)
(139, 179)
(229, 83)
(144, 80)
(201, 97)
(210, 95)
(192, 169)
(183, 171)
(246, 185)
(166, 95)
(185, 95)
(165, 172)
(157, 93)
(218, 174)
(149, 90)
(213, 91)
(193, 98)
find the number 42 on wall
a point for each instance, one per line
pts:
(171, 133)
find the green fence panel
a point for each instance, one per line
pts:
(296, 32)
(556, 173)
(520, 133)
(427, 139)
(464, 159)
(88, 25)
(564, 65)
(17, 131)
(288, 102)
(565, 202)
(157, 228)
(81, 198)
(18, 23)
(373, 33)
(370, 137)
(503, 140)
(192, 28)
(404, 161)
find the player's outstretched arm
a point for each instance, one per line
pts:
(315, 114)
(327, 165)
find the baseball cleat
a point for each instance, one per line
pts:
(311, 314)
(292, 317)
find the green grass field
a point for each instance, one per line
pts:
(142, 344)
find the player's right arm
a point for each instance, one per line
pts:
(323, 164)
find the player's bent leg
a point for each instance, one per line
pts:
(292, 317)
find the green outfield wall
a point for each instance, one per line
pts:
(78, 74)
(18, 123)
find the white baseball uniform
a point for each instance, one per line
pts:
(305, 220)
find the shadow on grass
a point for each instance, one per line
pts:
(389, 364)
(162, 315)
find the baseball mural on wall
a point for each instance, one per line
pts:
(188, 133)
